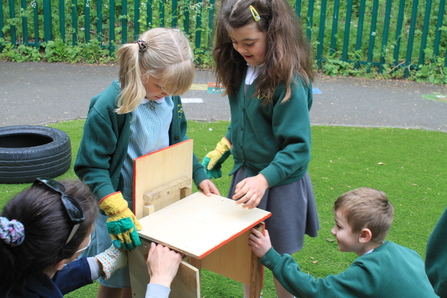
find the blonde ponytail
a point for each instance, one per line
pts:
(166, 55)
(132, 89)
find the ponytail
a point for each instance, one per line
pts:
(164, 54)
(130, 78)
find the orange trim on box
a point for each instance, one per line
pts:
(135, 172)
(234, 237)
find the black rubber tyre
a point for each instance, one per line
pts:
(28, 151)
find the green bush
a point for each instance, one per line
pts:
(370, 38)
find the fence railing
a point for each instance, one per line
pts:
(379, 33)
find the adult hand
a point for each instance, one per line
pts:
(111, 259)
(162, 264)
(259, 243)
(208, 188)
(250, 191)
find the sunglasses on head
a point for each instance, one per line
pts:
(72, 206)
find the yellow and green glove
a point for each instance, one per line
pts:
(122, 225)
(213, 160)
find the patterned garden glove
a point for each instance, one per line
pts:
(214, 159)
(122, 224)
(111, 259)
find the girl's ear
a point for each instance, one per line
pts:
(51, 270)
(61, 264)
(365, 235)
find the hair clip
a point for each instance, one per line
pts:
(142, 44)
(254, 13)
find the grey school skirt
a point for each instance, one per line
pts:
(294, 212)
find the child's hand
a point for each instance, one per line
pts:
(213, 160)
(208, 187)
(259, 243)
(122, 224)
(250, 191)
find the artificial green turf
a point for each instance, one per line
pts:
(409, 165)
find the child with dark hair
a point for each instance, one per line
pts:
(43, 231)
(383, 269)
(43, 228)
(264, 61)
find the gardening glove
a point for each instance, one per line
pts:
(111, 259)
(122, 224)
(214, 159)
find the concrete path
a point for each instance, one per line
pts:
(42, 93)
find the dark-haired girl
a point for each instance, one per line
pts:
(264, 61)
(44, 228)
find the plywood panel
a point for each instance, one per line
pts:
(198, 225)
(139, 276)
(186, 283)
(158, 170)
(224, 260)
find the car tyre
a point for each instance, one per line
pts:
(28, 152)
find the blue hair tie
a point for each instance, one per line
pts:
(12, 232)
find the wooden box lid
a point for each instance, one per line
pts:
(197, 225)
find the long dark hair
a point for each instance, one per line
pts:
(287, 53)
(47, 227)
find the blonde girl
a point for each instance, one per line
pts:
(139, 113)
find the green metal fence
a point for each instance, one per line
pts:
(393, 33)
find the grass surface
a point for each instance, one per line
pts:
(409, 165)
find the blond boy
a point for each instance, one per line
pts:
(383, 269)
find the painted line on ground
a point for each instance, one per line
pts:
(192, 100)
(212, 87)
(203, 87)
